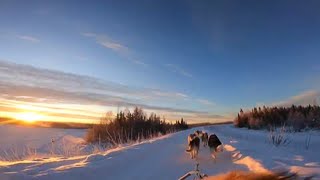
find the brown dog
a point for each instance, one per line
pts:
(194, 145)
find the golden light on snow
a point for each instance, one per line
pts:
(28, 116)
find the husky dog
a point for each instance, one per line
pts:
(194, 145)
(198, 133)
(215, 145)
(204, 139)
(190, 138)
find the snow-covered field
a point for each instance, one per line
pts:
(163, 158)
(20, 142)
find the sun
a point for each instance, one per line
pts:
(28, 116)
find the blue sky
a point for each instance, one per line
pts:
(219, 55)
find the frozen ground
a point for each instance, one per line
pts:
(20, 142)
(165, 158)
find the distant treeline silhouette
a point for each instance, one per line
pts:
(131, 126)
(295, 117)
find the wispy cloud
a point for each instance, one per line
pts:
(29, 76)
(29, 38)
(305, 98)
(28, 84)
(168, 94)
(206, 102)
(179, 70)
(115, 46)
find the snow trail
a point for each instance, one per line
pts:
(165, 158)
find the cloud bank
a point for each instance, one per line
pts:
(305, 98)
(43, 87)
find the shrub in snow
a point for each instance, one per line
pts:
(131, 127)
(307, 141)
(279, 136)
(17, 153)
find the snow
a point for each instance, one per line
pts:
(21, 142)
(165, 157)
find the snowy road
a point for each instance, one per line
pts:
(165, 158)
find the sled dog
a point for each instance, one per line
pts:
(215, 145)
(204, 139)
(193, 145)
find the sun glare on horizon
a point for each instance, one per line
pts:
(28, 116)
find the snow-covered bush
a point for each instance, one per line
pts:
(279, 136)
(307, 141)
(131, 127)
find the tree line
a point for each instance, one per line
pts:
(131, 126)
(295, 117)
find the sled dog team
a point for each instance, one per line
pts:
(211, 141)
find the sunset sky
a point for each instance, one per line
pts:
(76, 60)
